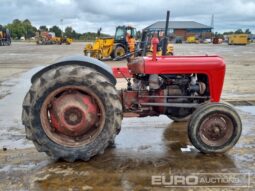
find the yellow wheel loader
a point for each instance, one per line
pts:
(5, 36)
(100, 49)
(117, 47)
(46, 38)
(192, 39)
(113, 47)
(66, 40)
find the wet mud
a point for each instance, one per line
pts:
(145, 148)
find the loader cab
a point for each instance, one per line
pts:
(121, 32)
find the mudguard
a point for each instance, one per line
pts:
(80, 60)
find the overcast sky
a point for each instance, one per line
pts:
(89, 15)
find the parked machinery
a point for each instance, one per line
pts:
(101, 48)
(192, 39)
(118, 48)
(238, 39)
(5, 37)
(146, 47)
(46, 38)
(73, 110)
(113, 47)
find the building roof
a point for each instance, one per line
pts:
(178, 25)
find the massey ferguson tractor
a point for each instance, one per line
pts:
(73, 110)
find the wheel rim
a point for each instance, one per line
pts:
(72, 116)
(216, 130)
(120, 52)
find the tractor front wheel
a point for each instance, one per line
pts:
(72, 112)
(214, 128)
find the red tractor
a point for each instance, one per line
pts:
(73, 110)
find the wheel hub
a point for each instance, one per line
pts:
(73, 114)
(216, 130)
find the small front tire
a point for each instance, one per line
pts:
(214, 128)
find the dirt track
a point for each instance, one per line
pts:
(145, 147)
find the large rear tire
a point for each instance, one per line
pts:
(214, 128)
(44, 127)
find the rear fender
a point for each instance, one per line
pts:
(82, 61)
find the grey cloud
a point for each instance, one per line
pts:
(88, 15)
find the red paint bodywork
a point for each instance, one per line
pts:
(212, 66)
(120, 72)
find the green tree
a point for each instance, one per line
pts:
(17, 29)
(239, 31)
(56, 30)
(16, 22)
(29, 29)
(247, 31)
(43, 28)
(27, 22)
(69, 32)
(228, 33)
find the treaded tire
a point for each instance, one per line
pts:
(79, 76)
(198, 117)
(117, 50)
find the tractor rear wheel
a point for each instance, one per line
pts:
(72, 112)
(214, 128)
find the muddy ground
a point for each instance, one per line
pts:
(146, 147)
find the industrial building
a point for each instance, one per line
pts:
(182, 29)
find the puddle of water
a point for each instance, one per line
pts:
(10, 112)
(145, 147)
(236, 96)
(247, 109)
(138, 135)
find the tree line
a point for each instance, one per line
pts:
(238, 31)
(25, 29)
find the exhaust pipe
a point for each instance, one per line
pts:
(165, 40)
